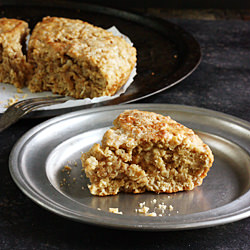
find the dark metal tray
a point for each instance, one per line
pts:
(166, 53)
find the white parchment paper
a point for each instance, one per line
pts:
(9, 93)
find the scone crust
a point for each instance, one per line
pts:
(145, 151)
(13, 66)
(75, 58)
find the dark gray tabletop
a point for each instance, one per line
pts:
(221, 82)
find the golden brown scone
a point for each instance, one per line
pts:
(13, 66)
(145, 151)
(75, 58)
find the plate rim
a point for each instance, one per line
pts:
(149, 21)
(16, 176)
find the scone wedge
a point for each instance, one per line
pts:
(145, 151)
(75, 58)
(13, 66)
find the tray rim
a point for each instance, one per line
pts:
(154, 23)
(227, 218)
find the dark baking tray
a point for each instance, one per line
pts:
(166, 53)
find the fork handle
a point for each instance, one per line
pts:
(15, 112)
(9, 117)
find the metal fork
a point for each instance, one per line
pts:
(19, 109)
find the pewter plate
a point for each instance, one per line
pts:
(38, 158)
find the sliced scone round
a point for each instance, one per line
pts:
(75, 58)
(145, 151)
(14, 68)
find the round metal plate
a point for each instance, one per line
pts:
(39, 157)
(166, 54)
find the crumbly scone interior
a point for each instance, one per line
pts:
(66, 76)
(124, 164)
(14, 68)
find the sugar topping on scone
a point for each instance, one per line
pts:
(145, 151)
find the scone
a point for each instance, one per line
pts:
(13, 66)
(145, 151)
(77, 59)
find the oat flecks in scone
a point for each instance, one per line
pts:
(75, 58)
(13, 66)
(145, 151)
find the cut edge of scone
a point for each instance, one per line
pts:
(14, 69)
(78, 59)
(145, 151)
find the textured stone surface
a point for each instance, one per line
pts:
(221, 82)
